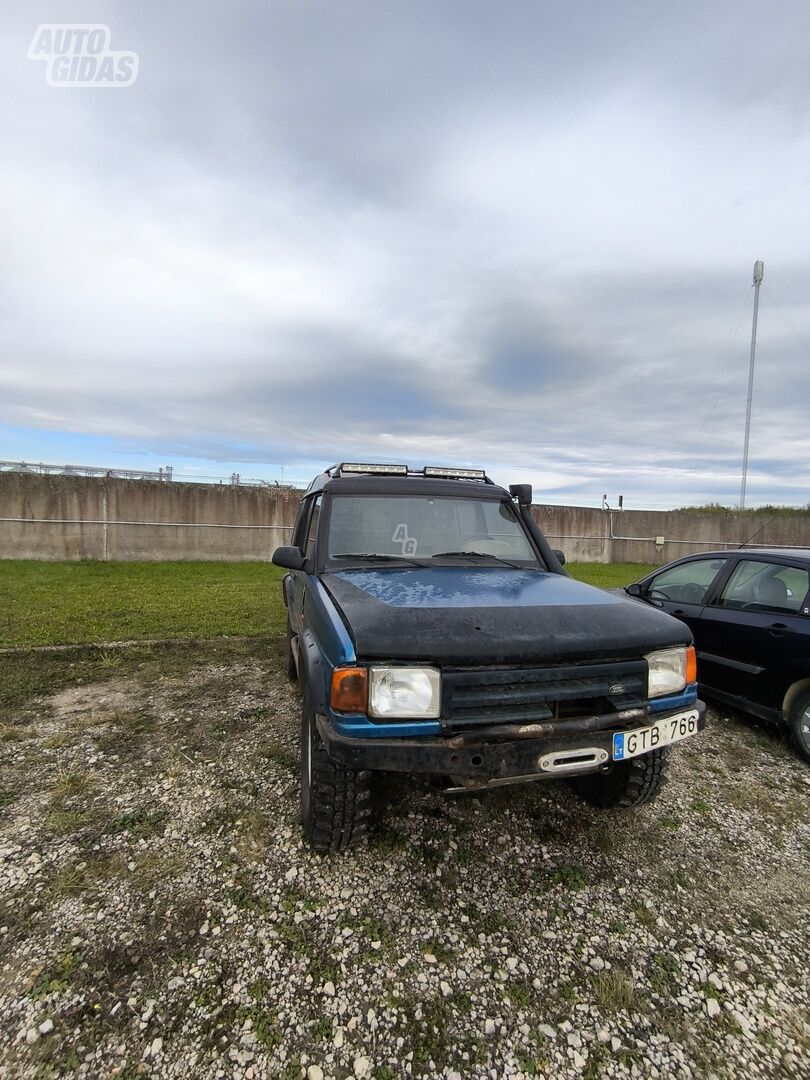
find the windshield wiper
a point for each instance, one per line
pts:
(478, 555)
(377, 556)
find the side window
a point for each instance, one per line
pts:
(312, 530)
(796, 581)
(757, 586)
(299, 531)
(687, 583)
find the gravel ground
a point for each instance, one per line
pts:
(160, 917)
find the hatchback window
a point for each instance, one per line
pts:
(422, 526)
(687, 583)
(756, 585)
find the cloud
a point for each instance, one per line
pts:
(520, 236)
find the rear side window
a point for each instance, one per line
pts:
(762, 586)
(299, 535)
(312, 531)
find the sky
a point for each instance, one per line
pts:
(517, 235)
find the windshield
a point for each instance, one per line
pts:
(419, 526)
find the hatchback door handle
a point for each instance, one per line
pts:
(778, 629)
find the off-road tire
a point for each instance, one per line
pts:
(335, 800)
(629, 783)
(796, 720)
(289, 658)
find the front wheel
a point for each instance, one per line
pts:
(335, 800)
(629, 783)
(799, 722)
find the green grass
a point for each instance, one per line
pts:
(571, 877)
(768, 509)
(610, 575)
(56, 603)
(80, 603)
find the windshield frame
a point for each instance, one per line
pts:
(324, 562)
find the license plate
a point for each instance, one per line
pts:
(627, 744)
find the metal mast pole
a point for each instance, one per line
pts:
(759, 270)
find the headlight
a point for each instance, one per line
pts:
(670, 670)
(401, 692)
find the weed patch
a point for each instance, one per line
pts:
(570, 877)
(613, 990)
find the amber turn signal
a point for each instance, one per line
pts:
(691, 665)
(349, 690)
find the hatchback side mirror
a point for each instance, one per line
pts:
(291, 558)
(634, 590)
(560, 556)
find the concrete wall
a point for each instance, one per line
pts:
(564, 525)
(192, 518)
(78, 517)
(630, 535)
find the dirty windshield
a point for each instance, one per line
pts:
(423, 527)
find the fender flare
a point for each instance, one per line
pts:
(313, 671)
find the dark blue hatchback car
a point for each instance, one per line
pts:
(433, 630)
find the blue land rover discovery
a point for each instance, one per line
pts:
(433, 630)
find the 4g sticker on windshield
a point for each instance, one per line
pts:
(409, 543)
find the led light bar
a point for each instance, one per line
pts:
(391, 470)
(455, 474)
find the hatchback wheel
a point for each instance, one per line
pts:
(799, 723)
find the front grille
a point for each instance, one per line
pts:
(477, 696)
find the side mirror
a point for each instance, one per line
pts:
(560, 556)
(521, 492)
(634, 590)
(291, 558)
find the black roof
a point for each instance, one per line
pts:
(768, 552)
(366, 484)
(405, 482)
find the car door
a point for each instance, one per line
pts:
(681, 589)
(755, 636)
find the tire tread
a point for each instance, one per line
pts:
(628, 784)
(341, 803)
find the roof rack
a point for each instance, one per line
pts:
(434, 472)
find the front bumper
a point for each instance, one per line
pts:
(496, 753)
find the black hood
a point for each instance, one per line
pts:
(493, 615)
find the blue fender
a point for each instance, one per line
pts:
(324, 644)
